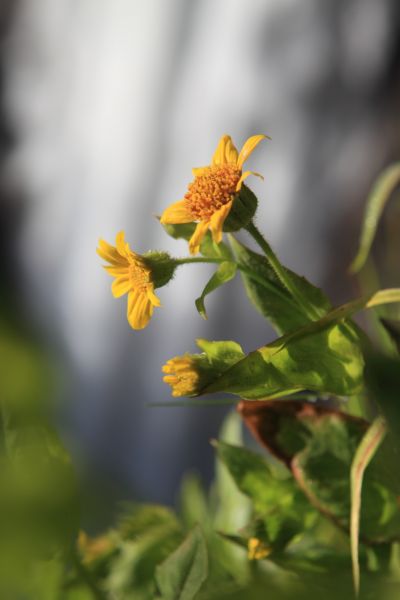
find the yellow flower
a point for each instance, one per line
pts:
(133, 276)
(257, 550)
(182, 374)
(210, 196)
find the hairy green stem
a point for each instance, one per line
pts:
(281, 272)
(243, 268)
(198, 259)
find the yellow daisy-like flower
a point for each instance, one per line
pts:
(133, 277)
(182, 374)
(257, 550)
(210, 196)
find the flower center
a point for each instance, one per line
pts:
(139, 277)
(212, 189)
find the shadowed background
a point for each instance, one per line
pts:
(106, 107)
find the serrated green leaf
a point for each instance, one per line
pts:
(384, 186)
(182, 574)
(224, 273)
(137, 519)
(323, 356)
(277, 501)
(322, 467)
(133, 569)
(329, 361)
(270, 296)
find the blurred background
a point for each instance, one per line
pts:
(106, 106)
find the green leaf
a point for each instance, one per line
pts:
(363, 456)
(148, 534)
(243, 209)
(180, 231)
(384, 186)
(329, 361)
(233, 508)
(270, 296)
(323, 356)
(392, 327)
(182, 574)
(318, 444)
(221, 353)
(276, 499)
(225, 272)
(193, 501)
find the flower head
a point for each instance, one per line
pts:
(257, 550)
(183, 374)
(133, 276)
(210, 195)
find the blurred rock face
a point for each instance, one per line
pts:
(111, 104)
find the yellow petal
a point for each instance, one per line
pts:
(197, 237)
(231, 154)
(217, 222)
(198, 171)
(248, 148)
(153, 298)
(139, 310)
(245, 176)
(219, 157)
(120, 286)
(109, 253)
(177, 213)
(121, 244)
(116, 271)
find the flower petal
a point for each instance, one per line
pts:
(109, 253)
(245, 176)
(139, 310)
(198, 171)
(248, 148)
(231, 154)
(177, 213)
(219, 157)
(217, 221)
(120, 286)
(197, 237)
(120, 242)
(116, 270)
(152, 297)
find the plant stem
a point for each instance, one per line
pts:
(249, 272)
(197, 259)
(281, 272)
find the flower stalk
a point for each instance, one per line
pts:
(281, 272)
